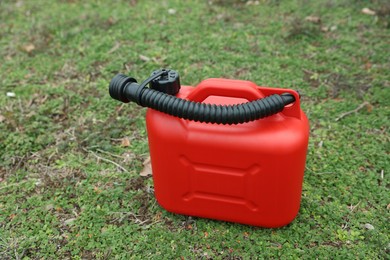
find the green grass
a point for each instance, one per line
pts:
(59, 200)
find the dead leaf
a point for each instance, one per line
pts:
(28, 47)
(2, 118)
(69, 221)
(144, 58)
(369, 108)
(369, 226)
(157, 217)
(49, 207)
(127, 157)
(147, 170)
(97, 190)
(328, 29)
(313, 19)
(220, 16)
(252, 3)
(111, 21)
(125, 142)
(27, 76)
(368, 11)
(171, 11)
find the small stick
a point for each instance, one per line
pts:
(116, 139)
(106, 160)
(105, 152)
(352, 207)
(113, 49)
(308, 71)
(365, 103)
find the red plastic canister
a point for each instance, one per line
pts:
(248, 173)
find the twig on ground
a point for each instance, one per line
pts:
(344, 226)
(353, 207)
(19, 163)
(108, 153)
(131, 214)
(113, 49)
(308, 71)
(116, 139)
(365, 103)
(106, 160)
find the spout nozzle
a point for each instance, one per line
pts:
(288, 98)
(118, 85)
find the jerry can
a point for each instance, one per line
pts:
(226, 149)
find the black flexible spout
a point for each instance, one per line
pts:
(126, 89)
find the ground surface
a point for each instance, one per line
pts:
(61, 194)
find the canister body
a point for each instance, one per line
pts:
(249, 173)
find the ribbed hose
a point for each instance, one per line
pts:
(208, 113)
(127, 90)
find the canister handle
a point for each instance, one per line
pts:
(225, 88)
(242, 89)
